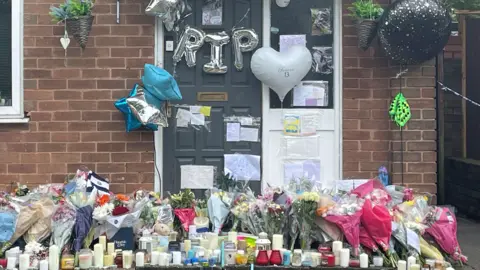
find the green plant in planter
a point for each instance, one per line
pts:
(365, 10)
(71, 9)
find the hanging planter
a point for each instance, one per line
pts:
(366, 14)
(366, 32)
(78, 19)
(80, 29)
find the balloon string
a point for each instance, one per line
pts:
(241, 20)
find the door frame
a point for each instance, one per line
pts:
(337, 93)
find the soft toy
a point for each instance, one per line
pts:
(161, 229)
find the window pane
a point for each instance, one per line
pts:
(5, 53)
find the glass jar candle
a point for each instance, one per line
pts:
(67, 262)
(118, 258)
(241, 258)
(85, 259)
(297, 257)
(127, 259)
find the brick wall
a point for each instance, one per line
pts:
(370, 139)
(70, 100)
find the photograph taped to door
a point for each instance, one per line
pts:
(197, 176)
(310, 94)
(300, 123)
(292, 147)
(322, 60)
(301, 168)
(321, 21)
(212, 13)
(193, 116)
(242, 129)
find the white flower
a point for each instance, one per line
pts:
(34, 247)
(102, 212)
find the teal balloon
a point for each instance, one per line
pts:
(131, 122)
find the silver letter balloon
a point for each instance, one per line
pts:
(243, 40)
(169, 11)
(414, 31)
(216, 40)
(189, 43)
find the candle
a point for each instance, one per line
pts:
(127, 259)
(232, 237)
(43, 265)
(212, 241)
(363, 260)
(162, 259)
(85, 260)
(277, 241)
(344, 257)
(53, 257)
(24, 263)
(187, 245)
(378, 261)
(155, 258)
(111, 248)
(102, 240)
(11, 263)
(411, 260)
(204, 243)
(176, 258)
(98, 255)
(108, 260)
(336, 247)
(450, 268)
(139, 259)
(415, 267)
(401, 265)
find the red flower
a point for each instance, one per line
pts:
(119, 210)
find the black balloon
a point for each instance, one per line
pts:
(414, 31)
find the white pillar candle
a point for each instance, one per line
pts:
(415, 267)
(11, 263)
(277, 241)
(401, 265)
(43, 265)
(24, 263)
(450, 268)
(102, 240)
(232, 237)
(176, 258)
(344, 257)
(53, 257)
(139, 259)
(154, 260)
(111, 249)
(212, 241)
(411, 260)
(162, 259)
(204, 243)
(378, 261)
(187, 245)
(98, 255)
(363, 260)
(336, 247)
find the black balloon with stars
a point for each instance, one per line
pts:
(414, 31)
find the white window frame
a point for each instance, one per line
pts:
(15, 113)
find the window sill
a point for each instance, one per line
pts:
(14, 120)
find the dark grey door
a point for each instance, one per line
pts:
(189, 146)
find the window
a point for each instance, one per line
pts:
(11, 60)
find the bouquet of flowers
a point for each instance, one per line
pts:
(63, 220)
(201, 208)
(37, 253)
(84, 210)
(255, 222)
(42, 228)
(182, 204)
(274, 218)
(304, 208)
(219, 205)
(120, 205)
(8, 219)
(239, 209)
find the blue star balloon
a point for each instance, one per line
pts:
(131, 122)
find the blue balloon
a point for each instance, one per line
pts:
(160, 83)
(131, 122)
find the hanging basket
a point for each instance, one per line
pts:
(80, 29)
(366, 32)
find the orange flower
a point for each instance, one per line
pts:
(103, 199)
(123, 198)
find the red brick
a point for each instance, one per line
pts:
(111, 84)
(52, 147)
(52, 105)
(95, 137)
(82, 126)
(67, 95)
(125, 73)
(66, 73)
(125, 30)
(111, 147)
(22, 168)
(110, 41)
(66, 115)
(125, 157)
(125, 177)
(97, 94)
(20, 147)
(65, 137)
(60, 168)
(96, 116)
(148, 157)
(52, 84)
(52, 126)
(110, 168)
(82, 105)
(111, 62)
(37, 73)
(81, 147)
(82, 84)
(95, 157)
(95, 73)
(65, 157)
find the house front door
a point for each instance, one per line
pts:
(242, 93)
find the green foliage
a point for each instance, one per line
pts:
(365, 9)
(463, 4)
(183, 199)
(71, 9)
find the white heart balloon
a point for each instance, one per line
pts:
(281, 71)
